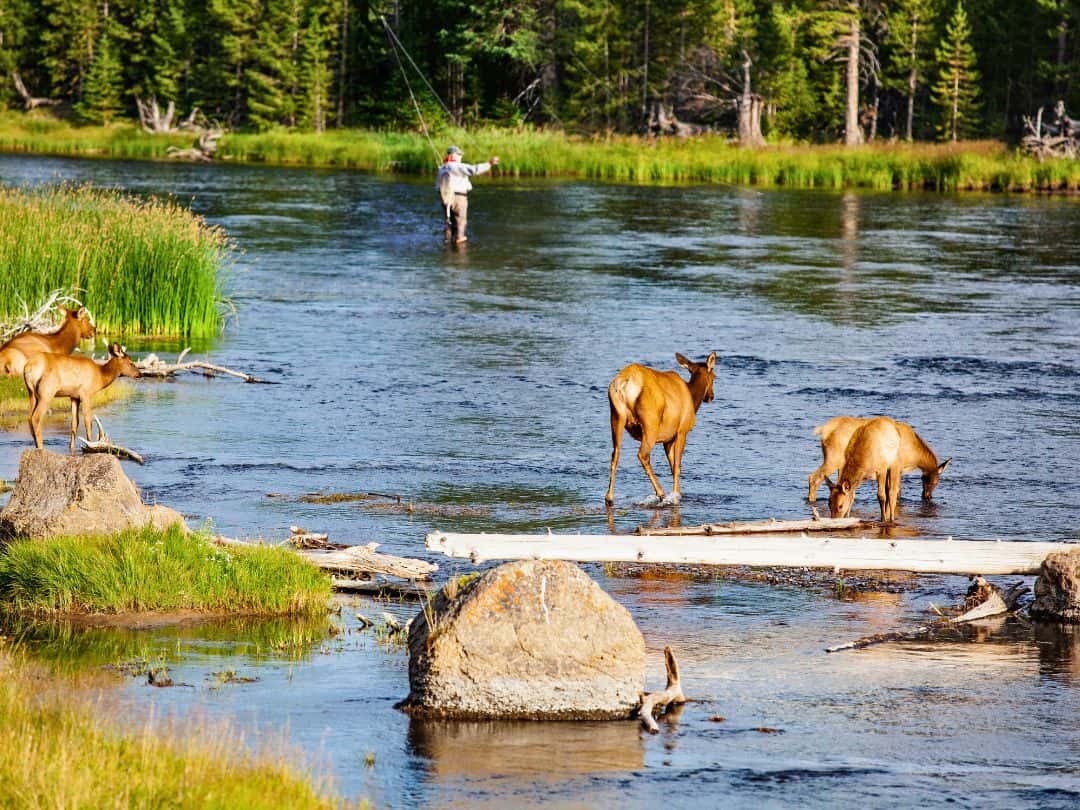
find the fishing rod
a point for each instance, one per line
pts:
(398, 48)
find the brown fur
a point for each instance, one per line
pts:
(76, 326)
(657, 407)
(874, 450)
(50, 375)
(914, 452)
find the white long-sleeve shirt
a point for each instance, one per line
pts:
(459, 174)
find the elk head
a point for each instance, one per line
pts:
(123, 362)
(841, 496)
(701, 377)
(930, 479)
(85, 324)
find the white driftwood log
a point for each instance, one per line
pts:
(154, 366)
(770, 526)
(762, 550)
(658, 700)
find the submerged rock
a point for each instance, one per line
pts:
(1057, 590)
(72, 495)
(530, 639)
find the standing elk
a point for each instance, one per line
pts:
(874, 450)
(657, 406)
(915, 454)
(15, 352)
(51, 375)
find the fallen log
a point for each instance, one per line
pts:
(355, 560)
(659, 700)
(770, 526)
(102, 444)
(412, 589)
(153, 366)
(763, 550)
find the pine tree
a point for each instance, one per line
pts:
(956, 92)
(315, 72)
(103, 87)
(909, 24)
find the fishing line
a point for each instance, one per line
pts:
(396, 45)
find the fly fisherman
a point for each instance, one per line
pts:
(454, 186)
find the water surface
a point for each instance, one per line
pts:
(473, 384)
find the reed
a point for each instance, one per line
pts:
(152, 570)
(58, 748)
(146, 267)
(537, 152)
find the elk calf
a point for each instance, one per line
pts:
(874, 450)
(657, 406)
(51, 375)
(76, 326)
(915, 454)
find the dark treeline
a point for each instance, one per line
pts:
(804, 69)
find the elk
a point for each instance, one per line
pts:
(657, 406)
(50, 375)
(76, 326)
(874, 450)
(915, 454)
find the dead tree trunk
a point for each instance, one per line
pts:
(749, 109)
(30, 102)
(852, 132)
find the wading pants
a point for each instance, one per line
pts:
(459, 214)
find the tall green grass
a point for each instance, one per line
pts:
(146, 267)
(156, 570)
(534, 152)
(59, 749)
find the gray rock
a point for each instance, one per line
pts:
(76, 495)
(530, 639)
(1057, 589)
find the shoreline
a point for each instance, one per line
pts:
(969, 166)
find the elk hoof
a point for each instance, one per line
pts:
(672, 499)
(651, 500)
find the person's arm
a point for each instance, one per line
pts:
(480, 168)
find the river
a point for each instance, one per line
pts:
(473, 383)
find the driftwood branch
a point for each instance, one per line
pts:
(102, 444)
(657, 701)
(983, 602)
(154, 366)
(30, 102)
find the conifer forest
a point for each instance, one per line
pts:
(805, 70)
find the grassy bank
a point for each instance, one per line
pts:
(150, 570)
(147, 267)
(15, 403)
(56, 750)
(977, 165)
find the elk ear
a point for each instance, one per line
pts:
(682, 361)
(845, 486)
(710, 361)
(115, 350)
(944, 464)
(78, 313)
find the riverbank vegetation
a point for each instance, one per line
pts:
(531, 152)
(152, 570)
(147, 267)
(56, 750)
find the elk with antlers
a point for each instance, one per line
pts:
(915, 454)
(874, 450)
(51, 375)
(77, 325)
(657, 406)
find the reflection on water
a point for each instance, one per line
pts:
(473, 384)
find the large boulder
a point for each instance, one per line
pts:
(1057, 590)
(530, 639)
(73, 495)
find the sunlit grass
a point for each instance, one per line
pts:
(57, 749)
(148, 569)
(533, 152)
(146, 267)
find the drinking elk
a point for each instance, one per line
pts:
(874, 451)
